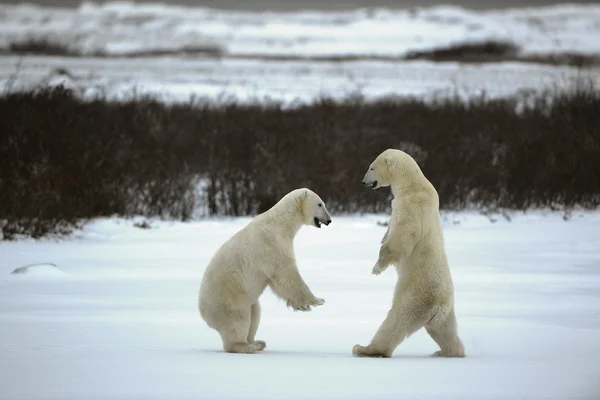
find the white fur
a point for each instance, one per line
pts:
(260, 255)
(414, 244)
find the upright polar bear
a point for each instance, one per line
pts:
(260, 255)
(414, 244)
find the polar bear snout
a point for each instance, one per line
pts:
(372, 184)
(322, 220)
(371, 178)
(321, 215)
(377, 175)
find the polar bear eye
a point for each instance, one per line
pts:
(320, 205)
(371, 168)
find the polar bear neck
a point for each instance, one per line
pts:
(285, 218)
(409, 180)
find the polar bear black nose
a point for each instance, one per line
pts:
(327, 222)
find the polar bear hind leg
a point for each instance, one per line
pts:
(442, 329)
(254, 322)
(402, 320)
(234, 332)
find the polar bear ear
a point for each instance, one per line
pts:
(302, 199)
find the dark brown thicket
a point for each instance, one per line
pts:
(63, 160)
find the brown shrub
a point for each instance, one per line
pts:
(63, 160)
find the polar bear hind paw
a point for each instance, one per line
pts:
(441, 353)
(254, 347)
(260, 343)
(245, 348)
(360, 351)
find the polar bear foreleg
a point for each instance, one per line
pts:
(385, 235)
(395, 251)
(289, 285)
(384, 260)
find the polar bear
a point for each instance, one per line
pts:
(259, 255)
(414, 244)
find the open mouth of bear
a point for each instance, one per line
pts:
(317, 222)
(373, 185)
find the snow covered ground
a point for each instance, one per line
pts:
(118, 318)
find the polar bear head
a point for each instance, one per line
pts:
(390, 168)
(313, 209)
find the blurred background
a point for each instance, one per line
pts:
(187, 109)
(261, 5)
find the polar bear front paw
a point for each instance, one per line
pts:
(298, 307)
(318, 301)
(378, 269)
(306, 307)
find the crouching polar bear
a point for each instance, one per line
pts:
(260, 255)
(414, 244)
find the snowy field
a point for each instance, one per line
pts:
(118, 319)
(124, 28)
(258, 56)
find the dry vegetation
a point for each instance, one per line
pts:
(63, 160)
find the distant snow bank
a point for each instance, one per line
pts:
(125, 28)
